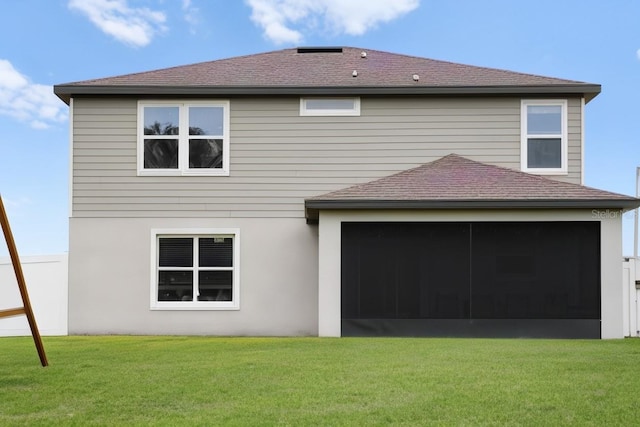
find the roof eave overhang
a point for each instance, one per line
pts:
(313, 207)
(66, 92)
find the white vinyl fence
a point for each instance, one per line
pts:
(46, 279)
(631, 296)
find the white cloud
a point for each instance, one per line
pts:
(191, 15)
(132, 26)
(26, 101)
(353, 17)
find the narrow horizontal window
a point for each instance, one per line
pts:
(329, 106)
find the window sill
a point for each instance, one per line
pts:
(182, 306)
(558, 172)
(219, 172)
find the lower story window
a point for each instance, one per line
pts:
(196, 270)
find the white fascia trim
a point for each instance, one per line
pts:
(563, 169)
(330, 112)
(194, 305)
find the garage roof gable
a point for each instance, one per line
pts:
(455, 182)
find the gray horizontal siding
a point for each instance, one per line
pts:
(279, 158)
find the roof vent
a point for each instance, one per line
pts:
(416, 77)
(319, 50)
(363, 54)
(355, 73)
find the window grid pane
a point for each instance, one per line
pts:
(205, 153)
(544, 119)
(216, 252)
(175, 252)
(206, 121)
(215, 285)
(544, 153)
(161, 154)
(175, 285)
(161, 121)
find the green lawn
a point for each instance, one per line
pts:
(122, 380)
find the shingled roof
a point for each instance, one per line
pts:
(455, 182)
(327, 71)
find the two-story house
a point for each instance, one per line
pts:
(338, 192)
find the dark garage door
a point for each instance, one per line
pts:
(484, 279)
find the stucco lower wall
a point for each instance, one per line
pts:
(611, 254)
(109, 279)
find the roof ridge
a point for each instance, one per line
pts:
(271, 52)
(287, 72)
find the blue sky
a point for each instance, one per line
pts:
(47, 42)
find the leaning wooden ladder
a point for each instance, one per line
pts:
(26, 305)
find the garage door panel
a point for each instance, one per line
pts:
(549, 284)
(505, 270)
(405, 270)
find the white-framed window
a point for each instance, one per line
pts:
(544, 138)
(183, 138)
(195, 269)
(324, 106)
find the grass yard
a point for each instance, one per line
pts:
(123, 380)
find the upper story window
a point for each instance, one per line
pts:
(195, 269)
(183, 138)
(330, 106)
(544, 136)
